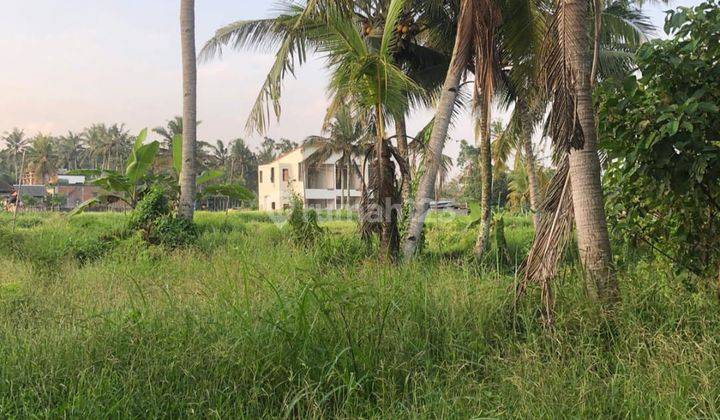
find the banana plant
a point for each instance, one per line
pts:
(128, 186)
(202, 178)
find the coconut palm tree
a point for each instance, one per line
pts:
(421, 49)
(465, 45)
(43, 158)
(189, 130)
(568, 77)
(375, 87)
(16, 144)
(71, 150)
(220, 153)
(583, 162)
(172, 128)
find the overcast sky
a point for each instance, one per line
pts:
(70, 63)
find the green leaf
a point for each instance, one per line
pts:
(141, 160)
(177, 153)
(140, 139)
(396, 7)
(85, 204)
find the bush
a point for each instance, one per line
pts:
(172, 232)
(154, 218)
(660, 132)
(304, 227)
(151, 207)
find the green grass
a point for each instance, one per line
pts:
(247, 325)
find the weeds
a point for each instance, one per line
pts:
(243, 325)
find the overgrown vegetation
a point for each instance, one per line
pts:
(662, 135)
(246, 328)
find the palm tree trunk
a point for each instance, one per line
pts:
(187, 175)
(587, 194)
(485, 165)
(17, 171)
(530, 166)
(401, 134)
(446, 104)
(347, 177)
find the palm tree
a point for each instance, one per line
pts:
(16, 144)
(172, 128)
(584, 163)
(187, 175)
(376, 88)
(220, 153)
(520, 190)
(43, 158)
(421, 49)
(517, 137)
(71, 150)
(462, 53)
(567, 75)
(345, 135)
(241, 159)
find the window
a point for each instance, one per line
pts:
(285, 174)
(261, 177)
(272, 176)
(272, 205)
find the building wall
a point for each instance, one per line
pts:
(316, 185)
(76, 194)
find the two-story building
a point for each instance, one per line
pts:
(321, 185)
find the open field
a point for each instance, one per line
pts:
(248, 324)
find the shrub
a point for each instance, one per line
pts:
(172, 232)
(151, 207)
(304, 227)
(660, 132)
(154, 218)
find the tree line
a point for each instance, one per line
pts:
(107, 146)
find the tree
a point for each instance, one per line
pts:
(370, 81)
(16, 144)
(584, 163)
(71, 150)
(43, 158)
(172, 128)
(220, 153)
(187, 176)
(661, 134)
(243, 163)
(483, 46)
(446, 104)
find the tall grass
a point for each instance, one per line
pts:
(248, 325)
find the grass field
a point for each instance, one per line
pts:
(247, 324)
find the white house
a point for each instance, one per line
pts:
(321, 185)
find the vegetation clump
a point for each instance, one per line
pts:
(304, 227)
(154, 218)
(660, 130)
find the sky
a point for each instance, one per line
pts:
(71, 63)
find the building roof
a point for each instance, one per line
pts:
(32, 190)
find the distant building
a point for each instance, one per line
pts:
(318, 184)
(71, 195)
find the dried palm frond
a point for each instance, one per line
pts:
(553, 233)
(556, 211)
